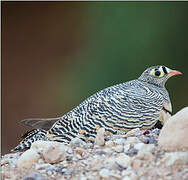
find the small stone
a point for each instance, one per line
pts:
(41, 161)
(152, 140)
(146, 151)
(99, 140)
(108, 150)
(42, 166)
(115, 137)
(148, 139)
(129, 173)
(39, 145)
(27, 159)
(69, 172)
(138, 146)
(80, 150)
(156, 131)
(126, 147)
(96, 165)
(137, 163)
(147, 148)
(144, 139)
(91, 139)
(78, 157)
(111, 163)
(175, 158)
(145, 178)
(89, 145)
(132, 132)
(105, 173)
(49, 173)
(131, 151)
(35, 176)
(158, 163)
(6, 175)
(99, 153)
(10, 159)
(126, 178)
(123, 160)
(119, 141)
(83, 178)
(109, 143)
(173, 135)
(118, 148)
(132, 140)
(77, 142)
(114, 175)
(60, 169)
(4, 161)
(53, 152)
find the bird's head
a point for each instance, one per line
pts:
(158, 75)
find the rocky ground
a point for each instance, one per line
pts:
(138, 155)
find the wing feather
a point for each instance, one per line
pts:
(40, 123)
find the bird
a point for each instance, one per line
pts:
(139, 103)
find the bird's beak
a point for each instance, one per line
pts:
(174, 73)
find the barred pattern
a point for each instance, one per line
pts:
(139, 103)
(30, 137)
(119, 108)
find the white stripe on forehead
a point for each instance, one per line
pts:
(161, 69)
(167, 69)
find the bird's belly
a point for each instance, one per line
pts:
(165, 113)
(125, 123)
(164, 116)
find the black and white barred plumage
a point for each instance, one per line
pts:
(138, 103)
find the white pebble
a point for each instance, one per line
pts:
(123, 160)
(120, 141)
(138, 146)
(173, 158)
(127, 147)
(132, 140)
(42, 166)
(99, 139)
(104, 173)
(118, 148)
(126, 178)
(27, 159)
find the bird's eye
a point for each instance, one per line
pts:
(157, 73)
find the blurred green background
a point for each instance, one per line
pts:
(56, 54)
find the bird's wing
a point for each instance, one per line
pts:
(125, 109)
(40, 123)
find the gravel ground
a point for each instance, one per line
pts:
(134, 156)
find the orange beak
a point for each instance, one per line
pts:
(174, 73)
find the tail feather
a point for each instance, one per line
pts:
(29, 137)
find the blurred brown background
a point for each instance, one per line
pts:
(55, 54)
(38, 40)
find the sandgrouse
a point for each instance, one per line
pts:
(139, 103)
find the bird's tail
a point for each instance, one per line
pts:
(29, 137)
